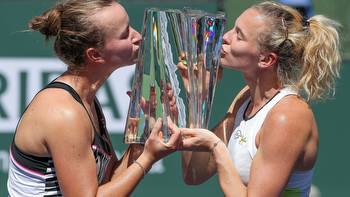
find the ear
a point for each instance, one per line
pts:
(267, 60)
(94, 56)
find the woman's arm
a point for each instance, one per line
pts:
(69, 142)
(154, 150)
(200, 166)
(68, 139)
(132, 153)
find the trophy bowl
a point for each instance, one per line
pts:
(176, 71)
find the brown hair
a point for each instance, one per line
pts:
(308, 50)
(70, 23)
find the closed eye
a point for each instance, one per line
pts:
(240, 35)
(125, 33)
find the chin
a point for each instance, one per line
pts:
(226, 65)
(130, 62)
(223, 63)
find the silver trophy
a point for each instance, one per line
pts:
(176, 72)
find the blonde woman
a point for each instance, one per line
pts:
(268, 141)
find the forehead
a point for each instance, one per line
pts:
(251, 22)
(113, 17)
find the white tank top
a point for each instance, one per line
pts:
(242, 146)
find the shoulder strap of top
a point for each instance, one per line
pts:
(68, 88)
(75, 95)
(101, 117)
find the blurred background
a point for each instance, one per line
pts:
(27, 63)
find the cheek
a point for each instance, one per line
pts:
(240, 57)
(244, 53)
(120, 51)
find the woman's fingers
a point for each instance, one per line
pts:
(189, 144)
(175, 135)
(186, 132)
(197, 139)
(173, 141)
(156, 128)
(172, 127)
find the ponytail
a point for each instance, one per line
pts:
(308, 51)
(321, 58)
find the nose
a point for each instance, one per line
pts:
(136, 36)
(226, 38)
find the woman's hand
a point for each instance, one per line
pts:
(197, 139)
(155, 148)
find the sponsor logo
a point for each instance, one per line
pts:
(22, 78)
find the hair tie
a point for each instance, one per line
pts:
(305, 23)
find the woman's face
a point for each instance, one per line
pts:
(240, 45)
(122, 42)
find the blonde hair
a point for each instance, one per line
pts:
(308, 50)
(74, 30)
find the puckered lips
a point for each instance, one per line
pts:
(223, 52)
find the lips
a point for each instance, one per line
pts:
(223, 52)
(136, 48)
(135, 55)
(136, 51)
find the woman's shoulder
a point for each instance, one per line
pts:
(292, 105)
(51, 115)
(56, 108)
(291, 113)
(65, 118)
(56, 102)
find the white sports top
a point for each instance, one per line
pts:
(242, 146)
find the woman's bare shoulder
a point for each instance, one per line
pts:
(291, 115)
(52, 115)
(292, 106)
(54, 105)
